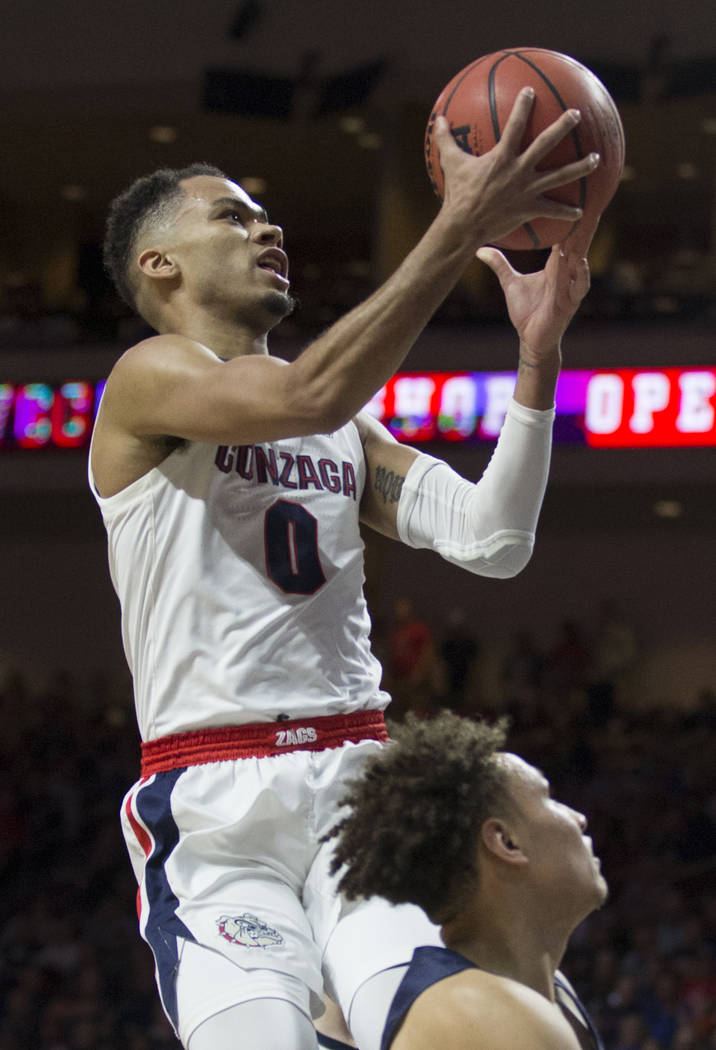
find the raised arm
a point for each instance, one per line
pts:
(489, 527)
(540, 306)
(173, 386)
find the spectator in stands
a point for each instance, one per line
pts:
(412, 662)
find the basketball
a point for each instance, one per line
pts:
(479, 99)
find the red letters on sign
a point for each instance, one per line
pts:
(659, 407)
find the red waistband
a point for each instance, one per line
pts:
(259, 739)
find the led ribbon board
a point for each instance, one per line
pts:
(615, 408)
(623, 408)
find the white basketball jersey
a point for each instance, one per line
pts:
(240, 575)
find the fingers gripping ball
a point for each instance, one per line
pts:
(478, 101)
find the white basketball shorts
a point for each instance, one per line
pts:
(227, 856)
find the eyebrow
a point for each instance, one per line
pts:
(256, 212)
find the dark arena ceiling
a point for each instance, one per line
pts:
(95, 94)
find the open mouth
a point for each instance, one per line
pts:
(275, 261)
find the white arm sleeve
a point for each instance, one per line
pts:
(487, 528)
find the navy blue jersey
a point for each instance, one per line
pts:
(430, 965)
(327, 1042)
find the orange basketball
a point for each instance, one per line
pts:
(478, 101)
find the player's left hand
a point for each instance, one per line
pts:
(541, 305)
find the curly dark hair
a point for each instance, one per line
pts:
(416, 813)
(145, 201)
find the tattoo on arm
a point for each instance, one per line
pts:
(388, 484)
(525, 366)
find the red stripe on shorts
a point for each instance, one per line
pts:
(259, 739)
(141, 834)
(144, 841)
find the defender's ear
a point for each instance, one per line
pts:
(501, 840)
(154, 263)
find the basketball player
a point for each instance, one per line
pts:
(331, 1029)
(444, 820)
(232, 486)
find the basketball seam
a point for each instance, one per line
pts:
(524, 55)
(431, 122)
(498, 133)
(465, 73)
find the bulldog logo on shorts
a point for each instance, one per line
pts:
(248, 931)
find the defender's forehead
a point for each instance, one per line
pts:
(521, 776)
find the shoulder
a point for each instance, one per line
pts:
(161, 352)
(473, 1010)
(127, 440)
(148, 374)
(165, 366)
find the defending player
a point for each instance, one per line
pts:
(443, 820)
(331, 1029)
(232, 485)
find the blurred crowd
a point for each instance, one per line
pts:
(678, 288)
(580, 674)
(74, 974)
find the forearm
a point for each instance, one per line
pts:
(485, 198)
(487, 528)
(345, 366)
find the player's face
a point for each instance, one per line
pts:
(230, 255)
(553, 837)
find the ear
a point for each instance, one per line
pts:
(501, 840)
(154, 263)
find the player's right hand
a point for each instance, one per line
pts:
(493, 194)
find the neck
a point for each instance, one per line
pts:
(226, 337)
(523, 952)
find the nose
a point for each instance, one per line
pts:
(267, 233)
(581, 820)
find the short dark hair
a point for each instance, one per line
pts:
(416, 812)
(146, 199)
